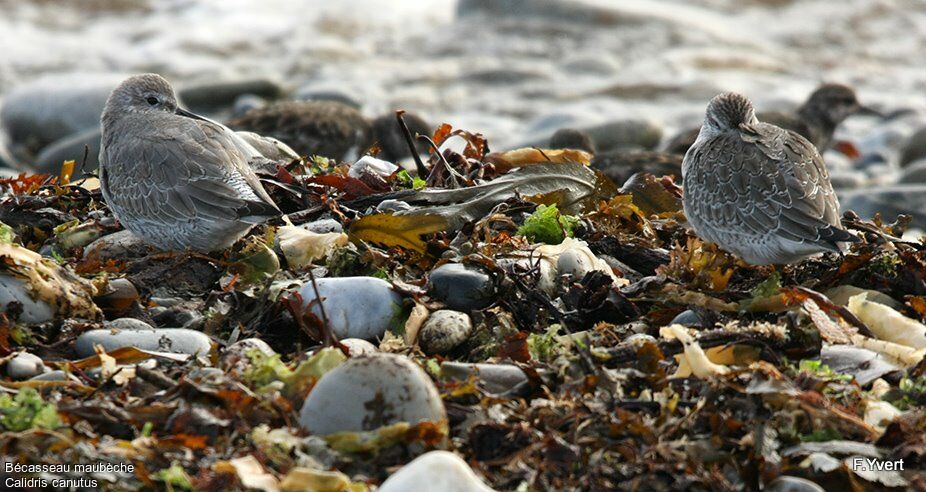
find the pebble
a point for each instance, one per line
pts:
(52, 107)
(625, 134)
(461, 287)
(235, 359)
(863, 364)
(914, 172)
(57, 375)
(497, 378)
(356, 307)
(213, 96)
(787, 483)
(435, 470)
(323, 226)
(127, 324)
(245, 103)
(72, 147)
(122, 245)
(25, 366)
(369, 392)
(914, 148)
(118, 297)
(371, 165)
(443, 331)
(173, 340)
(890, 201)
(393, 205)
(34, 311)
(358, 346)
(687, 318)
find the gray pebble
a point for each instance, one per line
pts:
(462, 287)
(174, 340)
(369, 392)
(25, 366)
(356, 307)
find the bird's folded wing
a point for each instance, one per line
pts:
(183, 179)
(755, 190)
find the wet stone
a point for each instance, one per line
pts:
(174, 340)
(369, 392)
(356, 307)
(435, 470)
(497, 378)
(461, 287)
(25, 366)
(34, 311)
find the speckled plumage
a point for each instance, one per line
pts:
(175, 179)
(330, 129)
(757, 190)
(816, 119)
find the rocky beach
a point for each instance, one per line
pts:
(484, 277)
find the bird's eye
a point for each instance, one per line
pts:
(152, 101)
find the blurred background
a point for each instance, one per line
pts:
(635, 71)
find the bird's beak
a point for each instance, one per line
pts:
(868, 111)
(182, 112)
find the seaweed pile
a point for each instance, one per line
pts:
(556, 331)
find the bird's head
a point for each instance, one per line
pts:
(834, 103)
(728, 111)
(144, 93)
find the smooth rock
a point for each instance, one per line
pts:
(371, 165)
(443, 331)
(245, 103)
(462, 287)
(174, 340)
(34, 311)
(497, 378)
(127, 324)
(52, 107)
(847, 179)
(356, 307)
(358, 346)
(840, 295)
(212, 96)
(687, 318)
(392, 205)
(235, 358)
(890, 201)
(122, 245)
(625, 134)
(369, 392)
(787, 483)
(323, 226)
(435, 470)
(25, 366)
(915, 172)
(863, 364)
(915, 147)
(118, 297)
(57, 375)
(73, 147)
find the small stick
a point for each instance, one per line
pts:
(330, 338)
(422, 171)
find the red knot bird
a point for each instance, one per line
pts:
(177, 180)
(816, 120)
(757, 190)
(332, 129)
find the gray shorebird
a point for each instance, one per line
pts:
(816, 120)
(331, 129)
(177, 180)
(757, 190)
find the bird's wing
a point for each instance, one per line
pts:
(775, 183)
(186, 174)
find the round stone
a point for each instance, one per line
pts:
(462, 287)
(369, 392)
(443, 331)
